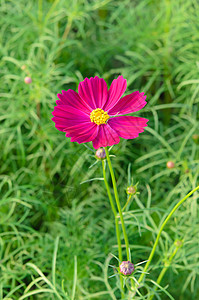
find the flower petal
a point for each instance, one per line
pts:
(106, 137)
(67, 116)
(128, 127)
(128, 104)
(117, 89)
(75, 123)
(93, 91)
(83, 134)
(72, 98)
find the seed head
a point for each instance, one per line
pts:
(126, 268)
(27, 80)
(170, 165)
(100, 153)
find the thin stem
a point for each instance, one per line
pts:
(166, 266)
(161, 229)
(48, 15)
(116, 222)
(118, 203)
(114, 212)
(40, 12)
(67, 29)
(127, 202)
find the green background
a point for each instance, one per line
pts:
(46, 215)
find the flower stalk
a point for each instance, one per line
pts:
(160, 231)
(118, 203)
(116, 221)
(167, 264)
(127, 202)
(114, 211)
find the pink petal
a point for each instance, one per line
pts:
(67, 111)
(72, 98)
(67, 116)
(79, 128)
(93, 91)
(129, 104)
(75, 123)
(117, 89)
(84, 135)
(106, 137)
(128, 127)
(60, 123)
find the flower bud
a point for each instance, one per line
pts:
(178, 243)
(100, 153)
(126, 268)
(170, 165)
(131, 190)
(23, 67)
(27, 80)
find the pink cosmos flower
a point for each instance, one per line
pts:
(95, 113)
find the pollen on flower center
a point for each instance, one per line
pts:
(99, 116)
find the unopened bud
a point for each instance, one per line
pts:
(27, 80)
(131, 190)
(100, 153)
(170, 165)
(126, 268)
(178, 243)
(23, 67)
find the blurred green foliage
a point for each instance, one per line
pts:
(55, 233)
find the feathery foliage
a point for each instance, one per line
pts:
(56, 235)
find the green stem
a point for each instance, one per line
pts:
(40, 12)
(118, 203)
(116, 222)
(127, 202)
(161, 229)
(114, 212)
(67, 29)
(166, 266)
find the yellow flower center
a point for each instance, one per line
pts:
(99, 116)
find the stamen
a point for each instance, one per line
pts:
(99, 116)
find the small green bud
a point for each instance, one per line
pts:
(166, 263)
(132, 189)
(178, 243)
